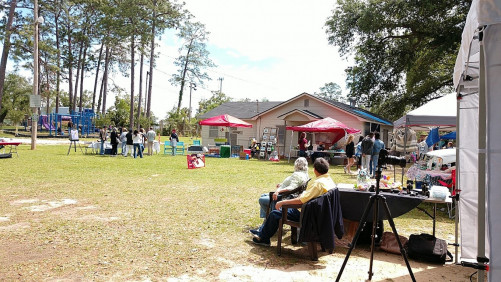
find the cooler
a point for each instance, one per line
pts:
(225, 151)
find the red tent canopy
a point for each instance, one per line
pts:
(225, 120)
(326, 125)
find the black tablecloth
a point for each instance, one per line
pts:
(353, 204)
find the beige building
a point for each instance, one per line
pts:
(298, 110)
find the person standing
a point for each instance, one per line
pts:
(303, 144)
(350, 154)
(367, 145)
(150, 135)
(137, 139)
(173, 141)
(103, 136)
(378, 145)
(123, 139)
(143, 139)
(358, 152)
(130, 143)
(114, 141)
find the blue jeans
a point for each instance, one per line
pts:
(124, 145)
(270, 226)
(264, 202)
(137, 148)
(102, 148)
(374, 162)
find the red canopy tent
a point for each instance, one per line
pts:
(225, 120)
(335, 128)
(326, 125)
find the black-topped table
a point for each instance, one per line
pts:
(353, 204)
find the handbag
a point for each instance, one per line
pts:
(426, 247)
(389, 243)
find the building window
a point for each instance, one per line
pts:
(213, 131)
(306, 103)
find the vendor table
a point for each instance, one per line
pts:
(12, 146)
(447, 201)
(353, 204)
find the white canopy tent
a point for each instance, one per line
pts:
(477, 80)
(439, 112)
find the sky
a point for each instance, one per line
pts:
(271, 50)
(263, 49)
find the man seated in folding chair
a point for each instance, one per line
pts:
(316, 187)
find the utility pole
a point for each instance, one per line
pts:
(220, 84)
(35, 100)
(193, 86)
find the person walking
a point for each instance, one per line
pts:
(103, 135)
(173, 141)
(137, 139)
(350, 154)
(367, 145)
(150, 135)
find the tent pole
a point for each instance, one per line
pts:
(481, 160)
(456, 187)
(290, 147)
(405, 149)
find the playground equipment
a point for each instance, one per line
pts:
(84, 122)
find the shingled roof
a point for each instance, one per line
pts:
(249, 110)
(241, 110)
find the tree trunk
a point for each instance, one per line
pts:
(105, 78)
(47, 89)
(131, 115)
(70, 67)
(82, 74)
(6, 48)
(58, 72)
(185, 69)
(152, 59)
(77, 77)
(140, 87)
(97, 76)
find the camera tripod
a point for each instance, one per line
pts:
(374, 202)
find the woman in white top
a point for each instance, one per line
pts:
(137, 139)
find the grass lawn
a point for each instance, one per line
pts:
(115, 218)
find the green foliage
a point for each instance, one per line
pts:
(193, 58)
(180, 121)
(119, 113)
(404, 51)
(103, 120)
(16, 96)
(214, 101)
(330, 91)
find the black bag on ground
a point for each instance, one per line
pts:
(426, 247)
(365, 236)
